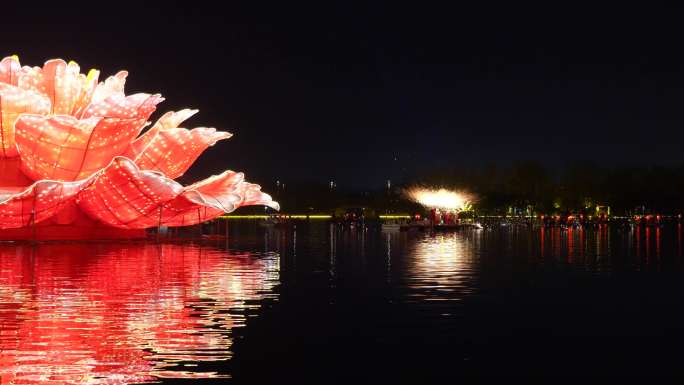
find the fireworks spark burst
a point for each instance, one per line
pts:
(441, 198)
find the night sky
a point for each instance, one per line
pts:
(360, 94)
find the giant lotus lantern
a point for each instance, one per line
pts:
(75, 162)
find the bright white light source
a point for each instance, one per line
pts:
(440, 198)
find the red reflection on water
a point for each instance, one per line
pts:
(657, 240)
(582, 242)
(571, 244)
(95, 314)
(637, 238)
(647, 243)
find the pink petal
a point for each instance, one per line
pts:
(172, 151)
(173, 205)
(69, 90)
(205, 200)
(138, 106)
(170, 119)
(124, 196)
(65, 148)
(253, 196)
(113, 85)
(213, 197)
(15, 101)
(182, 212)
(40, 201)
(10, 70)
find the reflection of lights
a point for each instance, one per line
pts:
(441, 198)
(440, 252)
(122, 314)
(444, 262)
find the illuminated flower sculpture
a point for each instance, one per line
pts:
(74, 164)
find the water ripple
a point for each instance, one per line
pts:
(123, 313)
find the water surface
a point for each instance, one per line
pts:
(319, 304)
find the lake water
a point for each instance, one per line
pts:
(317, 304)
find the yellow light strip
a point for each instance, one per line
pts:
(300, 216)
(397, 216)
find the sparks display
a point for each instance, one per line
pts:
(74, 164)
(440, 198)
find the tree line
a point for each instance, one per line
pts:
(579, 187)
(527, 186)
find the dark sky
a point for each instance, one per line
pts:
(360, 93)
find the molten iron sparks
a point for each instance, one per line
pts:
(441, 198)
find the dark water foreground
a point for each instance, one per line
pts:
(321, 305)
